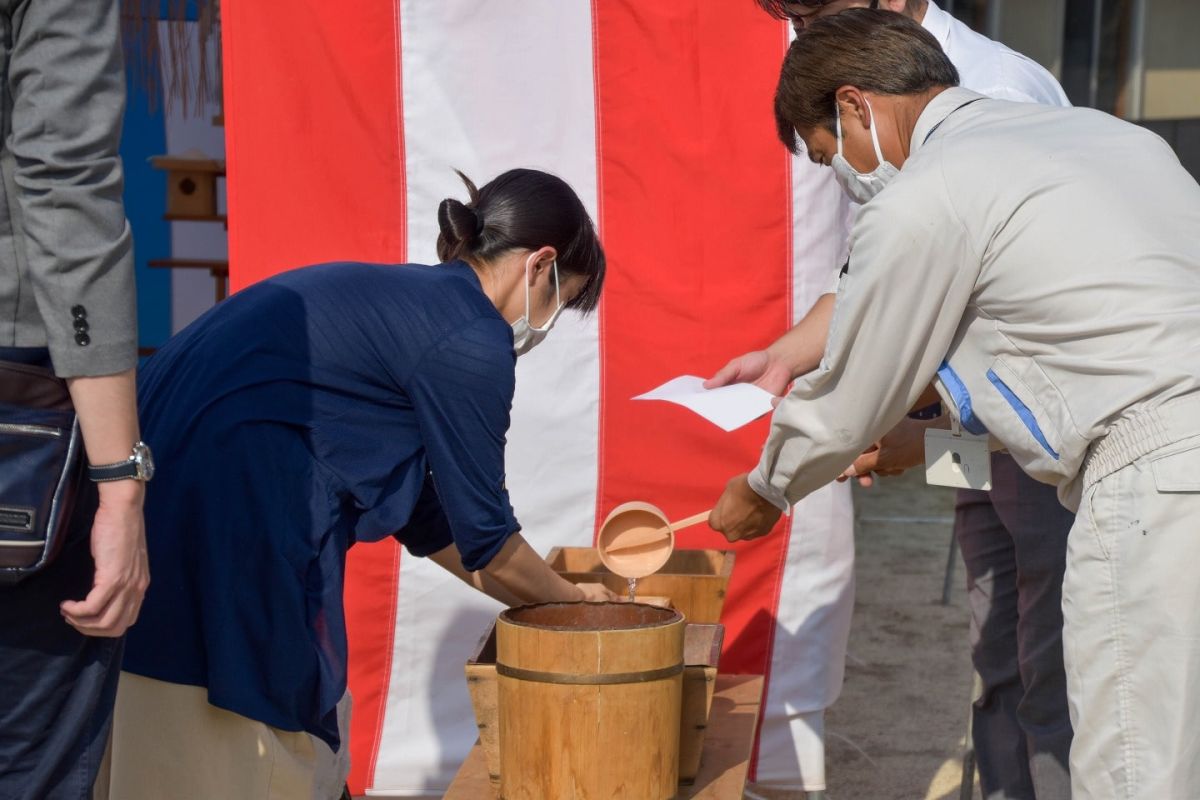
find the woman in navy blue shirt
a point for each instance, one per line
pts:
(330, 405)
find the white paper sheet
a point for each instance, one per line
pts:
(729, 407)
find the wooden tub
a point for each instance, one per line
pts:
(701, 652)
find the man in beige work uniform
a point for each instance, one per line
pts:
(1043, 265)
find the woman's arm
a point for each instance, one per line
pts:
(518, 575)
(462, 393)
(449, 559)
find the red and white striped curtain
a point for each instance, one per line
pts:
(345, 122)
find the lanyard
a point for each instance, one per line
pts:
(933, 130)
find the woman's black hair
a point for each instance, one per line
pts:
(524, 209)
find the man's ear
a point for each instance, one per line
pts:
(853, 106)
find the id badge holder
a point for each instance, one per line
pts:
(957, 458)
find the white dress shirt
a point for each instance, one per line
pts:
(990, 68)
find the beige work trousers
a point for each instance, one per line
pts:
(169, 742)
(1131, 636)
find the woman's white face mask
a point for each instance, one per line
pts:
(859, 186)
(525, 336)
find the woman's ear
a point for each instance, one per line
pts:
(542, 262)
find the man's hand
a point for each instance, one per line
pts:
(760, 367)
(122, 571)
(741, 514)
(901, 449)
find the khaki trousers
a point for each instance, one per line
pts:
(1131, 608)
(168, 743)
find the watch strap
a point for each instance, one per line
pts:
(121, 471)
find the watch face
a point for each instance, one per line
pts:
(144, 460)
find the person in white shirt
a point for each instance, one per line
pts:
(1013, 539)
(1041, 266)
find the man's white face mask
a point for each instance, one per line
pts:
(859, 186)
(525, 336)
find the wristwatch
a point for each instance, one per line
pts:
(928, 412)
(138, 467)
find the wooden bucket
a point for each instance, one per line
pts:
(589, 699)
(701, 654)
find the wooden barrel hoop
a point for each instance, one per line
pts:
(645, 676)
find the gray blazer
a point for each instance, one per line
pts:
(66, 251)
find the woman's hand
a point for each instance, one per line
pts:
(518, 575)
(597, 593)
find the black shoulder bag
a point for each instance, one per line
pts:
(41, 468)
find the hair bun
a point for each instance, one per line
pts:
(459, 223)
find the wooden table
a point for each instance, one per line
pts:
(723, 767)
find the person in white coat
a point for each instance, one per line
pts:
(1041, 267)
(1013, 538)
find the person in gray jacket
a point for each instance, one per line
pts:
(1040, 266)
(67, 300)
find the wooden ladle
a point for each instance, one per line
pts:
(638, 539)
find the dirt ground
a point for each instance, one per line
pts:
(897, 731)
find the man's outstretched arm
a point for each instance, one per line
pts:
(793, 354)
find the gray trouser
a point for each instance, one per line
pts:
(1014, 543)
(1131, 602)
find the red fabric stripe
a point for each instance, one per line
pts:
(315, 152)
(314, 139)
(372, 591)
(694, 199)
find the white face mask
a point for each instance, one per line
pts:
(525, 336)
(861, 187)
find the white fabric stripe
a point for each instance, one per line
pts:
(488, 87)
(812, 626)
(191, 289)
(817, 596)
(821, 219)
